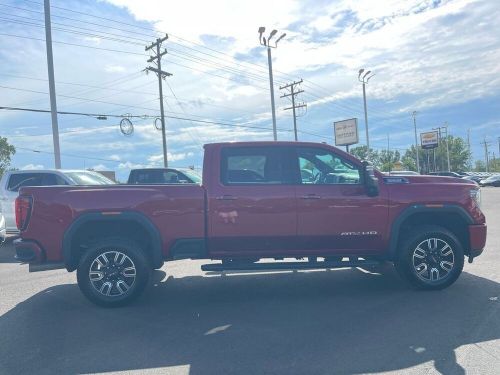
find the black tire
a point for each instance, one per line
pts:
(421, 260)
(124, 287)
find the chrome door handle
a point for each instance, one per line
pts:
(310, 196)
(226, 198)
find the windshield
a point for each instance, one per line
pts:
(194, 176)
(88, 178)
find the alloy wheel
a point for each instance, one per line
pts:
(112, 273)
(433, 259)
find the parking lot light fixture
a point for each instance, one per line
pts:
(267, 43)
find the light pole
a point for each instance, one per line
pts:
(267, 43)
(364, 80)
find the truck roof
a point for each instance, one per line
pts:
(267, 143)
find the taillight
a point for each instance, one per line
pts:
(23, 211)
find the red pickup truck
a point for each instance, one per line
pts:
(258, 200)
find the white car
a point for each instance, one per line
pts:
(12, 181)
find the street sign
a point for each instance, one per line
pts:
(346, 132)
(429, 139)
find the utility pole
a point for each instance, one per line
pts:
(447, 146)
(389, 153)
(161, 75)
(414, 115)
(364, 80)
(293, 90)
(486, 155)
(52, 85)
(266, 43)
(469, 163)
(444, 129)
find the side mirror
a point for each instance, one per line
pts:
(370, 181)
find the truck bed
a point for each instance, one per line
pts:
(177, 211)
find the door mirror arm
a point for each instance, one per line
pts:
(369, 180)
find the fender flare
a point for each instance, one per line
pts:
(419, 208)
(154, 234)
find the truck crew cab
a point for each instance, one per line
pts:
(257, 200)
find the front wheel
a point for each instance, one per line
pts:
(431, 257)
(113, 272)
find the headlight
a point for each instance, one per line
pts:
(475, 194)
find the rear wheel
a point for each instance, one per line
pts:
(113, 272)
(430, 258)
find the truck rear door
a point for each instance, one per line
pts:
(251, 202)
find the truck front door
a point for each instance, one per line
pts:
(334, 213)
(251, 202)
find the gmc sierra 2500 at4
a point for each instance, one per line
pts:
(257, 200)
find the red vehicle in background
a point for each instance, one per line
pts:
(258, 200)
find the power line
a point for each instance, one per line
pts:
(76, 45)
(149, 116)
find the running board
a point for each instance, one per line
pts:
(235, 266)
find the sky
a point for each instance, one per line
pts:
(439, 58)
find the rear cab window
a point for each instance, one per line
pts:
(19, 180)
(256, 165)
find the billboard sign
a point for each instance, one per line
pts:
(429, 139)
(346, 132)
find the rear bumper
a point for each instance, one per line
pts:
(477, 239)
(28, 251)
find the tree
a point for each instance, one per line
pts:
(494, 165)
(361, 153)
(480, 166)
(386, 160)
(459, 156)
(6, 152)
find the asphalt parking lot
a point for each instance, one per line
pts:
(322, 322)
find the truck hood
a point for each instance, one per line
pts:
(436, 180)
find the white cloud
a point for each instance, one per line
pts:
(156, 159)
(99, 167)
(32, 166)
(93, 39)
(114, 68)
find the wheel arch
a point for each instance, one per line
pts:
(452, 217)
(134, 224)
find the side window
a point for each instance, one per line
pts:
(18, 180)
(255, 165)
(322, 167)
(49, 179)
(171, 177)
(60, 180)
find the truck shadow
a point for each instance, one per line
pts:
(342, 321)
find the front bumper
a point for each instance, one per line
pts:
(477, 239)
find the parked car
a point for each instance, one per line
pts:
(403, 173)
(255, 203)
(3, 232)
(163, 176)
(446, 174)
(12, 181)
(491, 181)
(476, 179)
